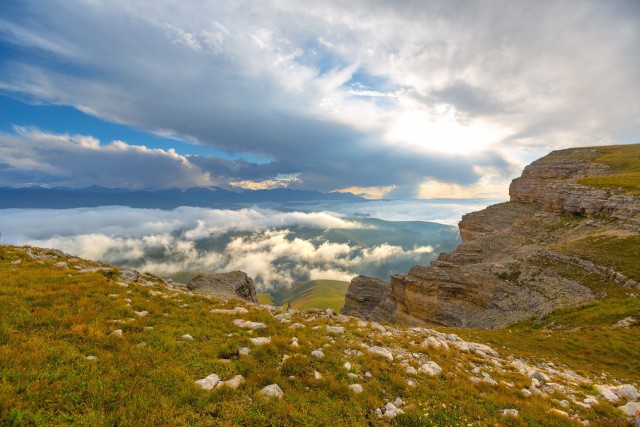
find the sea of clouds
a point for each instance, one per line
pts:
(272, 246)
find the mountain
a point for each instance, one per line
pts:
(86, 343)
(63, 198)
(570, 235)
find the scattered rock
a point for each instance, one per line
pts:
(431, 368)
(259, 341)
(607, 393)
(209, 382)
(117, 333)
(317, 353)
(186, 337)
(317, 375)
(247, 324)
(630, 408)
(244, 351)
(233, 285)
(61, 264)
(356, 388)
(233, 383)
(335, 329)
(626, 391)
(141, 313)
(297, 326)
(272, 390)
(626, 322)
(90, 357)
(347, 366)
(510, 413)
(391, 411)
(381, 351)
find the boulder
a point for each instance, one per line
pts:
(233, 285)
(272, 390)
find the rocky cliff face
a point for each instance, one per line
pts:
(511, 264)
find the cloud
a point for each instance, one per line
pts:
(81, 161)
(275, 248)
(332, 92)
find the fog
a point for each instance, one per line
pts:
(274, 247)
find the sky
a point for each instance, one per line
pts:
(393, 99)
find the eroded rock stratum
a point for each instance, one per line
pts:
(516, 259)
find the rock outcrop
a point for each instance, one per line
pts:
(510, 265)
(233, 285)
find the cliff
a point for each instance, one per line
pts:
(567, 236)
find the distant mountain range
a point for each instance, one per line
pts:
(61, 197)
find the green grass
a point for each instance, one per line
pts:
(52, 318)
(320, 294)
(265, 299)
(624, 161)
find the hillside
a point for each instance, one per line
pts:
(321, 294)
(85, 343)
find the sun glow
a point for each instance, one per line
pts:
(443, 130)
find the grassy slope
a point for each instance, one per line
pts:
(624, 161)
(52, 318)
(320, 294)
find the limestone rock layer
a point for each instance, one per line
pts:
(510, 265)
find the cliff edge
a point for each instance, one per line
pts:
(569, 234)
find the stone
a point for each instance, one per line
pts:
(260, 341)
(381, 351)
(209, 382)
(347, 366)
(625, 391)
(431, 368)
(272, 390)
(186, 337)
(233, 383)
(247, 324)
(630, 408)
(141, 313)
(356, 388)
(244, 351)
(626, 322)
(335, 330)
(510, 413)
(391, 411)
(90, 357)
(317, 375)
(398, 402)
(541, 376)
(411, 370)
(607, 393)
(317, 353)
(233, 285)
(61, 264)
(297, 326)
(117, 333)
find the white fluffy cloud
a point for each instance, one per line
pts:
(257, 241)
(81, 161)
(344, 94)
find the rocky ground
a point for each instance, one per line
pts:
(168, 355)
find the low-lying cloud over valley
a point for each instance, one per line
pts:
(275, 248)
